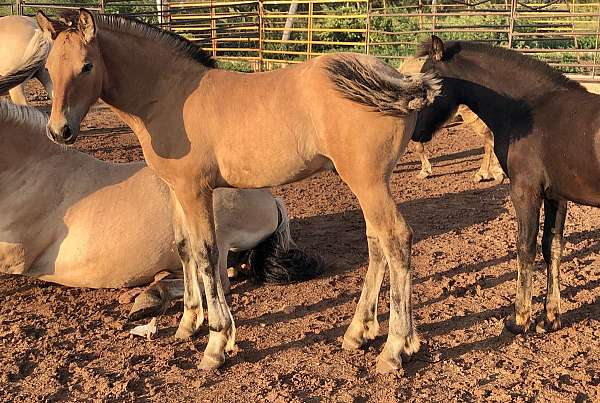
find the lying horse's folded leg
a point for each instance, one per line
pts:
(202, 248)
(364, 325)
(193, 312)
(155, 299)
(552, 244)
(527, 202)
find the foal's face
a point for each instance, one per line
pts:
(76, 68)
(432, 117)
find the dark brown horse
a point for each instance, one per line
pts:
(547, 139)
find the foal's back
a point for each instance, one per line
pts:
(15, 34)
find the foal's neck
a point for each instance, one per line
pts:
(144, 77)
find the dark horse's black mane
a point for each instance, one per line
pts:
(136, 26)
(517, 61)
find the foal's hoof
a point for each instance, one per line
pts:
(210, 362)
(386, 366)
(183, 333)
(479, 177)
(511, 325)
(546, 326)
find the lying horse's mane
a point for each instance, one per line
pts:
(22, 116)
(508, 57)
(138, 28)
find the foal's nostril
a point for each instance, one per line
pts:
(66, 134)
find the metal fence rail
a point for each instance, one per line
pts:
(261, 34)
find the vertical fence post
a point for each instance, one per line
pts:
(310, 30)
(213, 29)
(261, 34)
(368, 28)
(19, 7)
(434, 19)
(596, 42)
(511, 23)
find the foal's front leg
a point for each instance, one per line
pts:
(426, 169)
(555, 213)
(527, 202)
(199, 219)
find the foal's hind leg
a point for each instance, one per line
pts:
(527, 202)
(364, 325)
(552, 243)
(394, 239)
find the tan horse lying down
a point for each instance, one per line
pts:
(23, 52)
(490, 167)
(81, 222)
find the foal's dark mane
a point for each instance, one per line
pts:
(516, 61)
(140, 29)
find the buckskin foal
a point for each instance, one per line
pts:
(201, 127)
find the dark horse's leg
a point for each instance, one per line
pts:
(527, 201)
(552, 244)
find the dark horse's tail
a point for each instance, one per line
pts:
(380, 87)
(277, 260)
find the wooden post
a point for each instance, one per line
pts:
(19, 4)
(596, 43)
(368, 29)
(434, 19)
(102, 6)
(261, 34)
(310, 30)
(213, 29)
(511, 23)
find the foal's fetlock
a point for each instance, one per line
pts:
(412, 344)
(424, 173)
(518, 323)
(189, 324)
(481, 176)
(358, 334)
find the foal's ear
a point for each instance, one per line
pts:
(437, 48)
(50, 28)
(86, 25)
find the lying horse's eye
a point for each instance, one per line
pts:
(87, 68)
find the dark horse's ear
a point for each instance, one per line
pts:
(86, 25)
(437, 48)
(50, 28)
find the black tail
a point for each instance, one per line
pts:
(276, 260)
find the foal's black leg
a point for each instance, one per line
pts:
(527, 201)
(552, 244)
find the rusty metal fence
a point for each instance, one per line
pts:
(262, 34)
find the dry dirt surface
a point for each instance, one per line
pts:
(59, 343)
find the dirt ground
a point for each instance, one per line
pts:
(59, 343)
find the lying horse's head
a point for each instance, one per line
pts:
(76, 68)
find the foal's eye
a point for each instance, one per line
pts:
(87, 68)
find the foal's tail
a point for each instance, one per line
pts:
(34, 59)
(382, 88)
(277, 260)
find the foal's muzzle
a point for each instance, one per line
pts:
(64, 135)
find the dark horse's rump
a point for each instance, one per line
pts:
(545, 134)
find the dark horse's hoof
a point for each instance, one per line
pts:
(511, 325)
